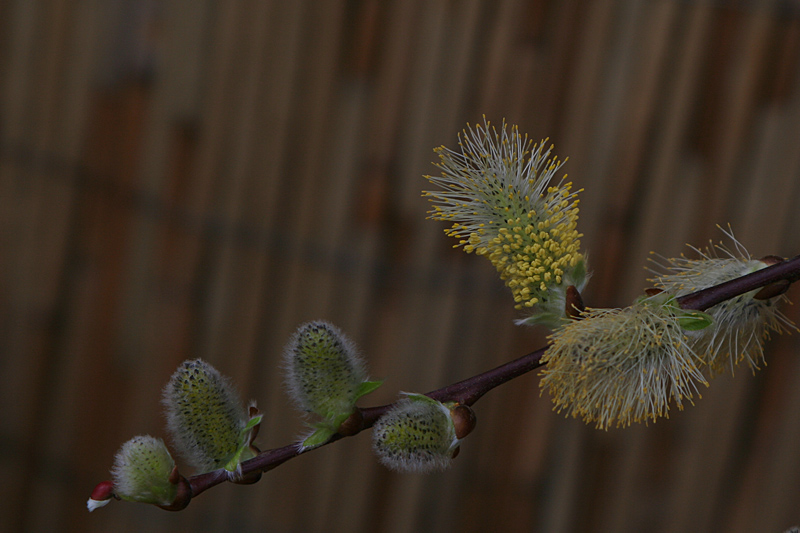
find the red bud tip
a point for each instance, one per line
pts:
(101, 495)
(103, 491)
(652, 291)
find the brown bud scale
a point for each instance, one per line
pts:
(352, 424)
(574, 306)
(464, 420)
(773, 289)
(184, 495)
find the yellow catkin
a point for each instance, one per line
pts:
(505, 206)
(739, 325)
(619, 366)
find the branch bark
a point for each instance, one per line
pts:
(470, 390)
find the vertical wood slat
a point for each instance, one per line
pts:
(719, 437)
(64, 402)
(44, 112)
(659, 205)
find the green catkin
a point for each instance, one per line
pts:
(205, 416)
(417, 435)
(141, 471)
(323, 370)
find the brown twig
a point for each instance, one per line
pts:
(472, 389)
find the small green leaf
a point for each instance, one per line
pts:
(322, 435)
(242, 454)
(688, 319)
(253, 422)
(694, 320)
(366, 387)
(233, 464)
(244, 445)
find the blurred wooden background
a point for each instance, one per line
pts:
(191, 178)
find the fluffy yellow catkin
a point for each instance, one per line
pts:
(740, 325)
(498, 192)
(619, 366)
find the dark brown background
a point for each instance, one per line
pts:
(192, 178)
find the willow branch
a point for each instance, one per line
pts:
(472, 389)
(786, 271)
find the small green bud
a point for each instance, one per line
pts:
(325, 376)
(143, 472)
(419, 435)
(205, 418)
